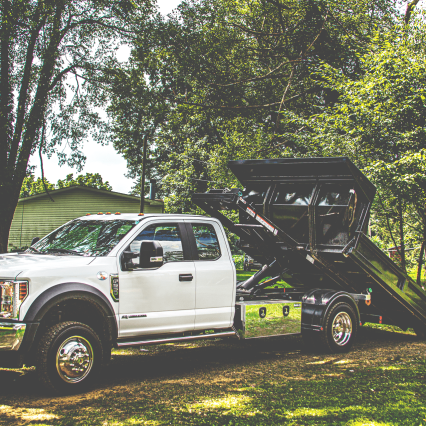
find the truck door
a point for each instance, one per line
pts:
(214, 275)
(159, 300)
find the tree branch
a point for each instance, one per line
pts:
(94, 22)
(38, 108)
(409, 10)
(283, 99)
(263, 77)
(59, 76)
(23, 93)
(5, 32)
(43, 131)
(312, 90)
(258, 33)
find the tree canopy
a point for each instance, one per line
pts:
(220, 80)
(54, 58)
(264, 79)
(32, 186)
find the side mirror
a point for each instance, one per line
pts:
(126, 260)
(34, 240)
(151, 254)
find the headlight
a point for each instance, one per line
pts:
(12, 294)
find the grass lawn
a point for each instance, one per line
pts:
(243, 275)
(266, 382)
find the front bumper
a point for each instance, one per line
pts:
(11, 335)
(16, 340)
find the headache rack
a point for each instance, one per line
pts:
(306, 220)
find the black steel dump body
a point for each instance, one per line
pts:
(310, 216)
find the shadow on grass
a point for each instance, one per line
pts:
(382, 381)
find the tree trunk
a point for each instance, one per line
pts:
(422, 249)
(409, 10)
(420, 262)
(142, 205)
(401, 236)
(6, 216)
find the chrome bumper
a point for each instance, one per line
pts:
(11, 335)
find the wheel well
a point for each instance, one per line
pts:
(347, 300)
(81, 309)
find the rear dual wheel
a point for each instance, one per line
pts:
(69, 356)
(339, 330)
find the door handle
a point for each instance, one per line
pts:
(185, 277)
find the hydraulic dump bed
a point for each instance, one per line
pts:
(310, 217)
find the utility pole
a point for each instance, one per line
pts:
(143, 174)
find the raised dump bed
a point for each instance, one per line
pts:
(308, 217)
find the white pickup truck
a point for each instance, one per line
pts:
(118, 280)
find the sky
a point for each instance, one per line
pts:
(100, 159)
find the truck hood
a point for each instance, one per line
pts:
(12, 265)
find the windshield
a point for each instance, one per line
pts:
(84, 237)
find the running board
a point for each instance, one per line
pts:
(159, 341)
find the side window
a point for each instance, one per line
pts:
(167, 235)
(207, 243)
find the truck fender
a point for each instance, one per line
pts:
(66, 291)
(317, 303)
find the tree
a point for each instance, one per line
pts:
(42, 44)
(220, 70)
(404, 182)
(32, 186)
(136, 110)
(379, 121)
(92, 180)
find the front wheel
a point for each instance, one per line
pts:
(340, 328)
(68, 357)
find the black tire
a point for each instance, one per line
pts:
(82, 356)
(340, 328)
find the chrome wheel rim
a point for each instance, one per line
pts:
(341, 328)
(74, 359)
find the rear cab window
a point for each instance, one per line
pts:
(206, 241)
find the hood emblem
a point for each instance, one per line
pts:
(102, 276)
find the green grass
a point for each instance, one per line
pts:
(413, 276)
(266, 382)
